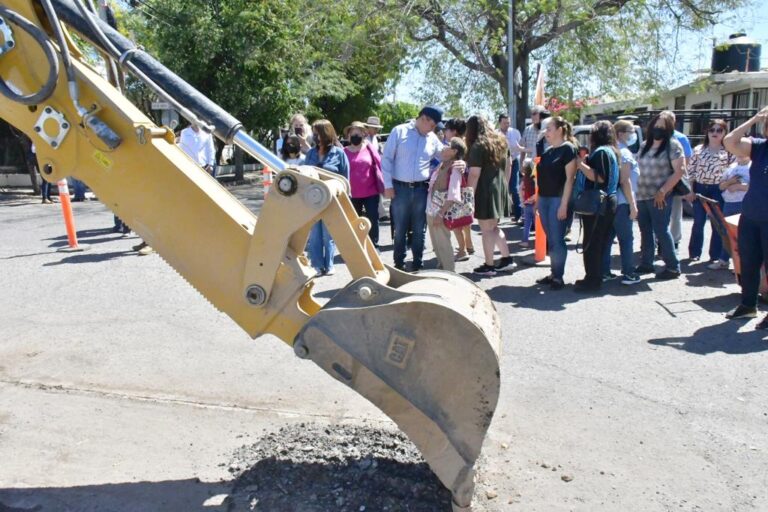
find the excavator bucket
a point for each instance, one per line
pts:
(425, 350)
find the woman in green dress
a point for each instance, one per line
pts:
(488, 165)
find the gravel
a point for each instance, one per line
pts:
(343, 468)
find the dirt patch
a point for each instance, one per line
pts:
(343, 468)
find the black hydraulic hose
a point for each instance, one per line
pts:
(74, 94)
(50, 56)
(225, 125)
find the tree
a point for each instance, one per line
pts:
(612, 44)
(393, 114)
(264, 60)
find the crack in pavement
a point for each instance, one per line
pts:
(170, 400)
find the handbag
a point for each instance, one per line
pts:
(683, 186)
(461, 214)
(377, 165)
(590, 201)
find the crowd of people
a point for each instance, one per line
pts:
(442, 177)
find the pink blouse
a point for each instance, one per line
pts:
(365, 178)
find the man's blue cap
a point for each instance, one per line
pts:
(433, 112)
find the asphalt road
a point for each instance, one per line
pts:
(122, 389)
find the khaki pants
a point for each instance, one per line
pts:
(441, 242)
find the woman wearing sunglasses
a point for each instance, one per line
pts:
(709, 162)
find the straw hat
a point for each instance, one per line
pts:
(373, 122)
(355, 124)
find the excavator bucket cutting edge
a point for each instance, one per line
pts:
(426, 354)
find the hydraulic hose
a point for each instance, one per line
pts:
(74, 92)
(50, 56)
(225, 125)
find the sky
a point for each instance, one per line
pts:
(695, 49)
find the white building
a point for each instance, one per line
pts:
(735, 94)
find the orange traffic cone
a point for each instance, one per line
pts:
(69, 219)
(540, 242)
(266, 179)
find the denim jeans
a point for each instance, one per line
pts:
(321, 248)
(729, 209)
(753, 251)
(514, 183)
(655, 221)
(555, 231)
(45, 190)
(78, 188)
(528, 216)
(409, 212)
(369, 207)
(622, 228)
(700, 220)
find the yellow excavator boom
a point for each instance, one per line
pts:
(424, 348)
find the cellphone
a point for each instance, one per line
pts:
(298, 130)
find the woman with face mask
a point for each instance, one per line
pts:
(661, 163)
(365, 178)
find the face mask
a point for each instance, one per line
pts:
(356, 140)
(632, 140)
(658, 133)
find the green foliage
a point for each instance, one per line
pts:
(590, 47)
(264, 60)
(393, 114)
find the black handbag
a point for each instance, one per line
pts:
(590, 201)
(683, 186)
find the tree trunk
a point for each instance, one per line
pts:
(522, 99)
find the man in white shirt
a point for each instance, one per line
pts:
(513, 140)
(199, 146)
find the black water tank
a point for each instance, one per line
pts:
(739, 53)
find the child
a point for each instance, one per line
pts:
(528, 187)
(444, 190)
(734, 184)
(464, 233)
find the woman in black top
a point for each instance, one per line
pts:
(554, 175)
(601, 170)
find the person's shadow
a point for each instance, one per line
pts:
(723, 337)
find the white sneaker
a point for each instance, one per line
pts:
(718, 265)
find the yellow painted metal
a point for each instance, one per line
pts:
(376, 335)
(194, 223)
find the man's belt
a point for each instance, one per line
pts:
(412, 184)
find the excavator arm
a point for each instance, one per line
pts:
(423, 348)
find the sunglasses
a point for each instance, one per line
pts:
(716, 130)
